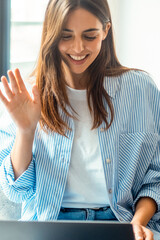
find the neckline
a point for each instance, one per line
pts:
(76, 94)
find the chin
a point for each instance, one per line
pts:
(78, 71)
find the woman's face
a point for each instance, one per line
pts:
(81, 40)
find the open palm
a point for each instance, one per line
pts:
(24, 110)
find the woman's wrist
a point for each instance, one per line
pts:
(137, 221)
(145, 209)
(21, 154)
(26, 134)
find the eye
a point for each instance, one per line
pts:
(66, 37)
(90, 38)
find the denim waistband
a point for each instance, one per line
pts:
(102, 213)
(63, 209)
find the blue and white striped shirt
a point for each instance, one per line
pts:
(132, 144)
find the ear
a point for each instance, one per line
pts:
(108, 26)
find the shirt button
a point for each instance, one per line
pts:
(108, 161)
(110, 190)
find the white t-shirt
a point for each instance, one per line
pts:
(86, 187)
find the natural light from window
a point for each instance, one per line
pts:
(137, 32)
(26, 27)
(136, 27)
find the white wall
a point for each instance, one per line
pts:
(137, 34)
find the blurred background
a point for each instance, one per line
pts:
(137, 34)
(135, 23)
(137, 38)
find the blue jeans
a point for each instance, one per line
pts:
(104, 213)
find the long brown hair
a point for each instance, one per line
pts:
(49, 75)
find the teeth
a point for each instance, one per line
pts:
(78, 58)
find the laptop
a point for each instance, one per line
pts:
(65, 230)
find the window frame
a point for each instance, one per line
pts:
(5, 24)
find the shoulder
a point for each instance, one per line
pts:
(139, 83)
(136, 82)
(132, 82)
(132, 77)
(139, 91)
(136, 78)
(139, 87)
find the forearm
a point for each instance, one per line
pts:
(21, 154)
(145, 209)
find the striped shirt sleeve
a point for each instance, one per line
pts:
(24, 187)
(151, 182)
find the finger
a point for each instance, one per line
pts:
(36, 95)
(149, 234)
(3, 99)
(7, 89)
(138, 237)
(138, 232)
(14, 84)
(20, 80)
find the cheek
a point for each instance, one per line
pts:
(62, 47)
(95, 46)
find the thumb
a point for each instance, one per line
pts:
(36, 95)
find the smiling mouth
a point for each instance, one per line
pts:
(78, 58)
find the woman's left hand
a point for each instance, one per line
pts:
(142, 233)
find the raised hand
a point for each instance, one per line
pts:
(24, 110)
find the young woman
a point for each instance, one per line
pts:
(85, 144)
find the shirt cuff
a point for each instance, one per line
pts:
(150, 193)
(23, 187)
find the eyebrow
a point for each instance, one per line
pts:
(88, 30)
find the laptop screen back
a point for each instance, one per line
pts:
(65, 230)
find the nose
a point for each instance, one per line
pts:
(78, 45)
